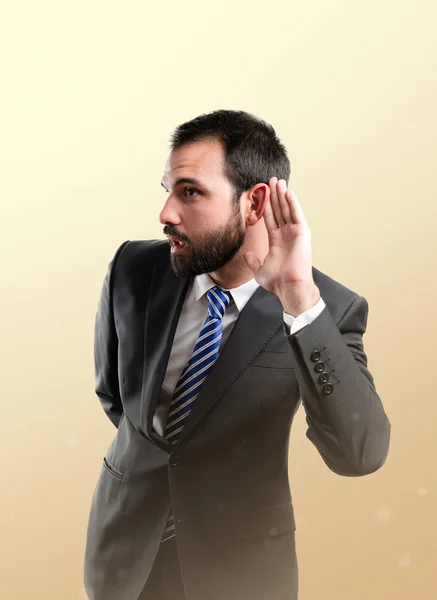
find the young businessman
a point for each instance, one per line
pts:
(205, 345)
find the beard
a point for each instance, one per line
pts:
(211, 251)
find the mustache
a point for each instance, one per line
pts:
(172, 232)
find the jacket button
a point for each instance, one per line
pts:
(327, 389)
(319, 366)
(323, 377)
(315, 356)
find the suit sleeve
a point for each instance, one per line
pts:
(346, 420)
(106, 348)
(293, 324)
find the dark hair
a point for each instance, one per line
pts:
(252, 151)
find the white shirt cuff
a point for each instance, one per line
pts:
(305, 318)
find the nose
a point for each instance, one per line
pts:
(168, 214)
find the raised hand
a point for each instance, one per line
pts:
(287, 268)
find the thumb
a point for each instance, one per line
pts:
(253, 262)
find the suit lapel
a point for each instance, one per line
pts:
(256, 324)
(166, 298)
(259, 320)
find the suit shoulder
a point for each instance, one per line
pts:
(336, 296)
(143, 253)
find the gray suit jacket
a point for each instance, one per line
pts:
(227, 477)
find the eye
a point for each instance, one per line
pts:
(190, 189)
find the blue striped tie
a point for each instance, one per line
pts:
(204, 355)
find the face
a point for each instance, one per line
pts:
(200, 210)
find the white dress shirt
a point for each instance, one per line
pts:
(191, 320)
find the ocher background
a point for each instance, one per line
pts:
(90, 92)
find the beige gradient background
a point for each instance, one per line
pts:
(90, 92)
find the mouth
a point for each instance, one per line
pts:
(176, 241)
(176, 244)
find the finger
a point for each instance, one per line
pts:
(269, 217)
(275, 202)
(296, 211)
(283, 202)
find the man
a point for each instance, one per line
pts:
(204, 349)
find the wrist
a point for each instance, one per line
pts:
(300, 300)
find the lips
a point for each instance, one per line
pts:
(176, 242)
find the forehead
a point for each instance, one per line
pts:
(202, 160)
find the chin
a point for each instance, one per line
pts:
(181, 268)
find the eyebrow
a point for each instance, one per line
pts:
(189, 180)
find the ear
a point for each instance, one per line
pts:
(257, 196)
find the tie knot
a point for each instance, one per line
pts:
(218, 301)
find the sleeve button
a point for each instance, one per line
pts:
(319, 366)
(327, 389)
(315, 356)
(323, 377)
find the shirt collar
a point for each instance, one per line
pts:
(241, 294)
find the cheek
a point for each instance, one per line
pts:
(200, 223)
